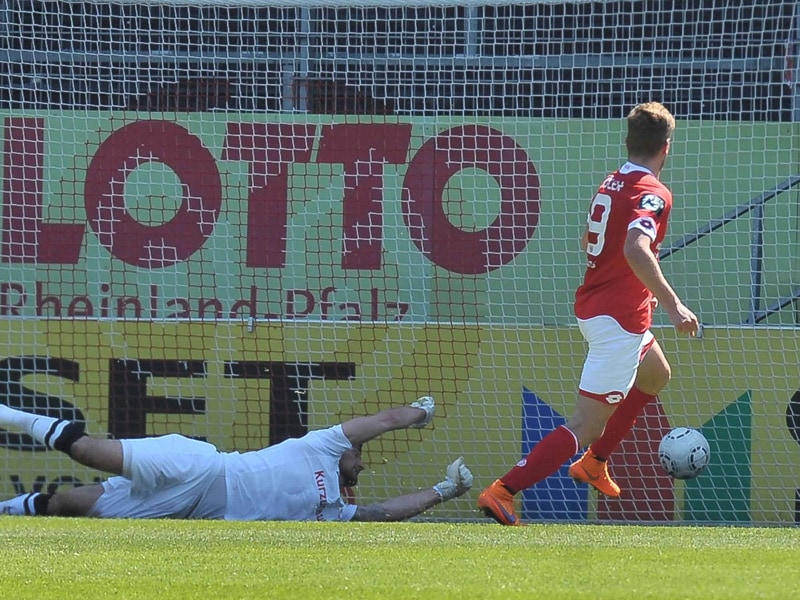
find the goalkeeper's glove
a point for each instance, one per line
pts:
(457, 481)
(425, 403)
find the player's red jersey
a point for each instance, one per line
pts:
(631, 197)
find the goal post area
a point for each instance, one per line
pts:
(244, 221)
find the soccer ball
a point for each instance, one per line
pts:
(684, 453)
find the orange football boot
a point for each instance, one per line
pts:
(498, 503)
(590, 470)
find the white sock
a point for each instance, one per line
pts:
(19, 506)
(44, 430)
(18, 419)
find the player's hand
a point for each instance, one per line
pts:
(458, 472)
(684, 320)
(457, 481)
(425, 403)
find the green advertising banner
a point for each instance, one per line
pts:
(239, 216)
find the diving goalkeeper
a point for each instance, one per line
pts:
(173, 476)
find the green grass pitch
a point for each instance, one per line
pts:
(88, 559)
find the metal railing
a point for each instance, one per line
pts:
(756, 206)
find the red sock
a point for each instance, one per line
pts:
(620, 423)
(543, 460)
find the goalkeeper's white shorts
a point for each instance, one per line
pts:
(165, 477)
(612, 360)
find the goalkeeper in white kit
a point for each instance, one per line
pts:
(173, 476)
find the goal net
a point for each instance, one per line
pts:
(244, 220)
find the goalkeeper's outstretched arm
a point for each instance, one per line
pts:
(457, 482)
(364, 429)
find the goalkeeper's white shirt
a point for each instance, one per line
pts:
(296, 480)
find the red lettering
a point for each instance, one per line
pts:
(402, 309)
(7, 307)
(325, 303)
(125, 150)
(319, 477)
(104, 289)
(363, 149)
(125, 302)
(269, 149)
(204, 304)
(250, 304)
(153, 301)
(184, 311)
(291, 310)
(80, 306)
(346, 307)
(373, 304)
(42, 300)
(26, 238)
(467, 252)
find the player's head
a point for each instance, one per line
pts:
(350, 466)
(650, 130)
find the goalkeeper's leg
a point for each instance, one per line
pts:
(56, 434)
(25, 504)
(68, 437)
(74, 502)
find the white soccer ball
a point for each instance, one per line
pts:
(684, 453)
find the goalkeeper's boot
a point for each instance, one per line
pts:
(498, 503)
(594, 471)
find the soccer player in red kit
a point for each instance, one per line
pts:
(625, 367)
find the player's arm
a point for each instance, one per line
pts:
(400, 508)
(457, 482)
(585, 239)
(645, 266)
(363, 429)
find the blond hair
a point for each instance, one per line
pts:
(650, 126)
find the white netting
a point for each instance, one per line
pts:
(240, 220)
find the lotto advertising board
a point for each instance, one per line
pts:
(217, 216)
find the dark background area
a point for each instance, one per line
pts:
(723, 61)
